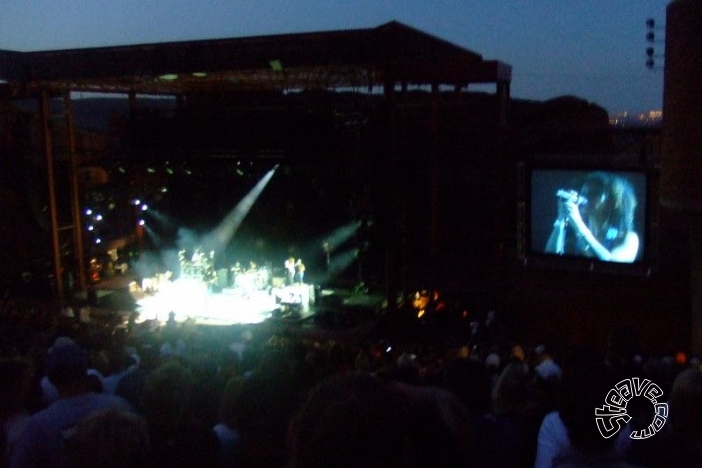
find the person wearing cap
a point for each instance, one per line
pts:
(42, 441)
(49, 393)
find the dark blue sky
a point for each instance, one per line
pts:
(593, 49)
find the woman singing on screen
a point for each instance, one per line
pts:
(597, 221)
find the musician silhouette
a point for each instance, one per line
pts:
(299, 271)
(290, 271)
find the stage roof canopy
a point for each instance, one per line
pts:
(355, 58)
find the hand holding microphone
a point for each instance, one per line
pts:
(571, 196)
(569, 203)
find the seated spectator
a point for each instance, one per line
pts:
(42, 441)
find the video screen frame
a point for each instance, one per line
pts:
(540, 200)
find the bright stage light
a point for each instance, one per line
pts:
(91, 227)
(98, 217)
(136, 202)
(191, 299)
(144, 207)
(141, 222)
(88, 212)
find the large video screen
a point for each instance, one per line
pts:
(590, 214)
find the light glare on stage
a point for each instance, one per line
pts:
(190, 299)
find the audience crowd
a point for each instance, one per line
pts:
(79, 392)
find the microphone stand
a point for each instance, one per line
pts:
(561, 225)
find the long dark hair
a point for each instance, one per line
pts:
(617, 214)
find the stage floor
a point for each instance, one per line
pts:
(192, 299)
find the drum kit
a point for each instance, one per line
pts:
(200, 266)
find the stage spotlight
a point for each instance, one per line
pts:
(144, 207)
(141, 222)
(98, 217)
(337, 238)
(342, 261)
(98, 240)
(136, 202)
(223, 233)
(88, 212)
(91, 227)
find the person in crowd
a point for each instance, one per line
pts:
(262, 409)
(120, 364)
(507, 436)
(362, 420)
(569, 436)
(131, 385)
(229, 440)
(16, 377)
(49, 391)
(175, 438)
(679, 442)
(468, 379)
(110, 438)
(41, 443)
(597, 221)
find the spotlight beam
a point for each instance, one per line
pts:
(223, 233)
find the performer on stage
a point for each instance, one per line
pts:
(299, 271)
(290, 271)
(597, 221)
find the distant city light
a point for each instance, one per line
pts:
(636, 119)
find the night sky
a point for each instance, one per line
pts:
(593, 49)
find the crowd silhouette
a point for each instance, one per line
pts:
(78, 392)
